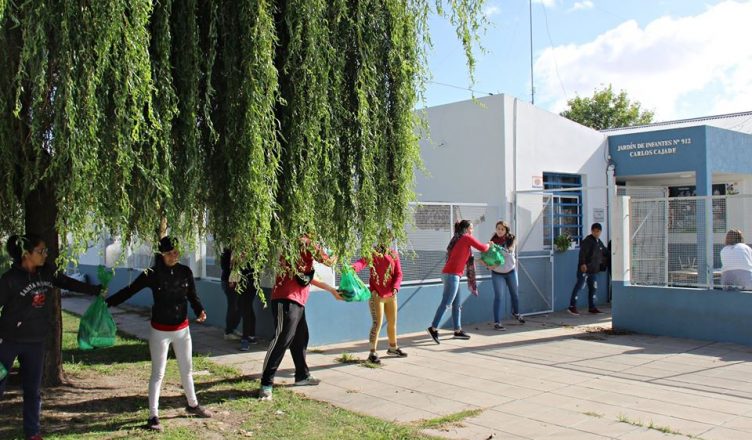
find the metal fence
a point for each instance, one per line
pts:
(429, 232)
(677, 241)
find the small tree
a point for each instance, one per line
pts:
(606, 110)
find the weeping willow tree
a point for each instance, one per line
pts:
(255, 121)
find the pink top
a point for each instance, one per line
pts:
(386, 273)
(455, 264)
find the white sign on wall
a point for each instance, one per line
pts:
(599, 215)
(537, 182)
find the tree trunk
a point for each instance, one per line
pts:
(40, 219)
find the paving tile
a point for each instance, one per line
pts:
(725, 434)
(541, 380)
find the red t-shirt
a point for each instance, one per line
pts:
(457, 259)
(287, 287)
(379, 282)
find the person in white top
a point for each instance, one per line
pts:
(736, 262)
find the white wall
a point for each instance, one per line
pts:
(473, 147)
(547, 142)
(464, 154)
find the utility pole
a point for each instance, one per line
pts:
(532, 83)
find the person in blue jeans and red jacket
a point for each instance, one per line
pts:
(593, 258)
(459, 259)
(26, 291)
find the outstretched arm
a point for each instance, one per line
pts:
(65, 282)
(327, 287)
(119, 297)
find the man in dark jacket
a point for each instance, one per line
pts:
(592, 255)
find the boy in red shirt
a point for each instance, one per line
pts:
(289, 296)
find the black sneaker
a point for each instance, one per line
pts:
(594, 311)
(460, 334)
(434, 334)
(573, 311)
(153, 424)
(397, 352)
(374, 358)
(198, 411)
(519, 318)
(499, 327)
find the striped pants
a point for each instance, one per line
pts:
(291, 331)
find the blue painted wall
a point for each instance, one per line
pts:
(565, 275)
(711, 315)
(333, 321)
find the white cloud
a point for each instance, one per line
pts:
(679, 67)
(586, 4)
(491, 10)
(547, 3)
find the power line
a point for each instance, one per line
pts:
(553, 53)
(460, 87)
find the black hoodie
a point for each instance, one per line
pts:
(592, 254)
(172, 288)
(26, 301)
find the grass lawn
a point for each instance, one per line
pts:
(107, 399)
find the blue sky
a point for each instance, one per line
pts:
(679, 58)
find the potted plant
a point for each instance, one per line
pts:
(562, 242)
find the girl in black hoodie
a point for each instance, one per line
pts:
(172, 286)
(26, 300)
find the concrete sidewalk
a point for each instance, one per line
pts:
(556, 377)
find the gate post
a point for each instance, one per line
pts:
(621, 240)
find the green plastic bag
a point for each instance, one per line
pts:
(352, 288)
(97, 328)
(494, 256)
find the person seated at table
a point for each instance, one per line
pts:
(736, 262)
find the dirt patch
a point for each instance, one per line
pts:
(115, 405)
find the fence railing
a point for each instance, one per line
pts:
(677, 241)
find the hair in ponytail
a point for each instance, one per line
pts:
(18, 245)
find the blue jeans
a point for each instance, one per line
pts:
(592, 287)
(450, 298)
(498, 280)
(31, 359)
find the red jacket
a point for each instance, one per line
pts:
(386, 273)
(457, 259)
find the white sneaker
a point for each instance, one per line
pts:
(265, 393)
(310, 380)
(231, 337)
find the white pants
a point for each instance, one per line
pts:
(159, 345)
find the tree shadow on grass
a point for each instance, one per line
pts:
(107, 356)
(116, 411)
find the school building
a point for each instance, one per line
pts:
(664, 193)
